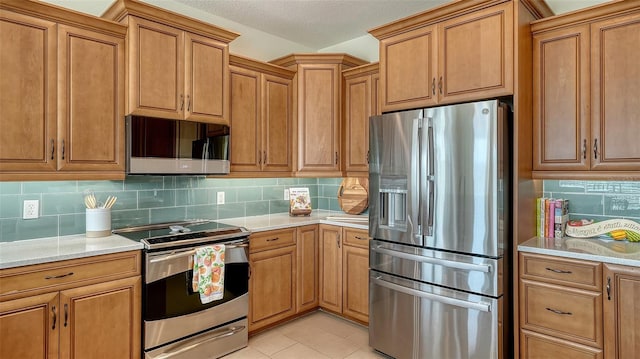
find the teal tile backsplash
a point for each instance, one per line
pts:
(144, 199)
(599, 200)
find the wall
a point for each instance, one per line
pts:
(364, 47)
(145, 199)
(599, 200)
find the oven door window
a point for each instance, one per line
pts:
(173, 296)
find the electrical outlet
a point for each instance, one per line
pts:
(220, 196)
(31, 209)
(286, 194)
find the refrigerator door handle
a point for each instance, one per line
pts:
(437, 261)
(438, 298)
(425, 212)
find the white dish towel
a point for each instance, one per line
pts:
(208, 273)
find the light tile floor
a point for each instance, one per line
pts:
(318, 335)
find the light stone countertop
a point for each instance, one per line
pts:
(51, 249)
(591, 249)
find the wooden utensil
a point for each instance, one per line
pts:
(353, 194)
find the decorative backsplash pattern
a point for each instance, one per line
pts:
(144, 199)
(599, 200)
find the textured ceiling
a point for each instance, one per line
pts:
(313, 23)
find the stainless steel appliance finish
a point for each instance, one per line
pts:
(176, 147)
(175, 322)
(439, 216)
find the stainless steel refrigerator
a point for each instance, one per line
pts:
(439, 220)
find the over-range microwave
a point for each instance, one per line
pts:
(157, 146)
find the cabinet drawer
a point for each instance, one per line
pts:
(538, 346)
(575, 273)
(272, 239)
(571, 314)
(31, 280)
(356, 237)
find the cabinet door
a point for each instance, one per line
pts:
(476, 55)
(206, 79)
(101, 320)
(331, 268)
(90, 101)
(156, 69)
(538, 346)
(29, 327)
(307, 273)
(276, 123)
(408, 67)
(621, 311)
(561, 99)
(319, 118)
(615, 85)
(357, 110)
(355, 281)
(272, 286)
(28, 93)
(246, 153)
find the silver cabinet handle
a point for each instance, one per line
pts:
(595, 148)
(264, 157)
(196, 342)
(273, 239)
(608, 288)
(584, 149)
(558, 311)
(53, 147)
(438, 298)
(63, 148)
(559, 271)
(188, 103)
(433, 86)
(437, 261)
(66, 313)
(362, 238)
(440, 85)
(181, 102)
(59, 276)
(336, 157)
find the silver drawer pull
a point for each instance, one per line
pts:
(273, 239)
(560, 271)
(558, 311)
(59, 276)
(362, 238)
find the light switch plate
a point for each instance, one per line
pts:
(220, 198)
(31, 209)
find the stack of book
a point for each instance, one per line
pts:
(551, 217)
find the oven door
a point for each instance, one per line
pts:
(172, 310)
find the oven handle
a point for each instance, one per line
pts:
(438, 298)
(191, 252)
(228, 333)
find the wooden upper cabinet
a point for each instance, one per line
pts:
(408, 68)
(475, 57)
(62, 112)
(561, 99)
(615, 93)
(460, 52)
(586, 81)
(261, 117)
(90, 101)
(178, 66)
(318, 98)
(27, 93)
(360, 103)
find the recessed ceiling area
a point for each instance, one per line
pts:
(315, 24)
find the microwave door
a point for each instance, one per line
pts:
(394, 177)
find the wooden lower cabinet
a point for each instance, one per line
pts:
(344, 266)
(560, 307)
(307, 268)
(621, 311)
(67, 320)
(272, 285)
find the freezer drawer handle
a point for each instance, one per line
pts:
(438, 298)
(437, 261)
(228, 333)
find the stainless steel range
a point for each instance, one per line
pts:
(175, 322)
